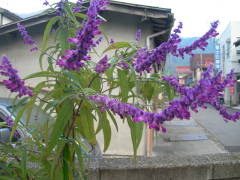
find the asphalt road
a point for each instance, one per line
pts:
(228, 134)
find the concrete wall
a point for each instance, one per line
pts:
(120, 27)
(207, 167)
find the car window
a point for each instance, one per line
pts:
(16, 136)
(2, 120)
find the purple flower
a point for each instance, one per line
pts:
(14, 83)
(138, 35)
(111, 41)
(74, 59)
(123, 65)
(77, 9)
(99, 40)
(27, 39)
(46, 3)
(102, 65)
(60, 9)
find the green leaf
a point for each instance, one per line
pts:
(48, 30)
(107, 133)
(6, 178)
(70, 14)
(122, 79)
(96, 84)
(67, 163)
(41, 74)
(83, 16)
(117, 45)
(136, 134)
(113, 119)
(89, 91)
(64, 115)
(80, 157)
(17, 119)
(24, 162)
(63, 40)
(59, 100)
(85, 125)
(148, 90)
(76, 79)
(169, 90)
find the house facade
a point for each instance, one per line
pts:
(230, 59)
(122, 22)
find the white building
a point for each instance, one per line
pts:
(230, 59)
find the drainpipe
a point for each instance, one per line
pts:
(149, 137)
(149, 37)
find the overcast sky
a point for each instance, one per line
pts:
(196, 15)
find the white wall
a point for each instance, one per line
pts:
(6, 20)
(231, 33)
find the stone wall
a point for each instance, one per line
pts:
(207, 167)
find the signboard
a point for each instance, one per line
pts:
(231, 90)
(183, 70)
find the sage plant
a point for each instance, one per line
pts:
(86, 94)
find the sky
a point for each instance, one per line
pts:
(196, 15)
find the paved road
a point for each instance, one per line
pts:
(227, 133)
(184, 138)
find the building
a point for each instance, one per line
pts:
(230, 59)
(199, 63)
(184, 74)
(123, 20)
(7, 17)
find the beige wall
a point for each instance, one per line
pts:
(120, 27)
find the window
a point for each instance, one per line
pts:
(228, 48)
(223, 52)
(238, 51)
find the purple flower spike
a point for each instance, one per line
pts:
(14, 83)
(138, 35)
(27, 39)
(207, 91)
(145, 58)
(84, 38)
(102, 65)
(199, 43)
